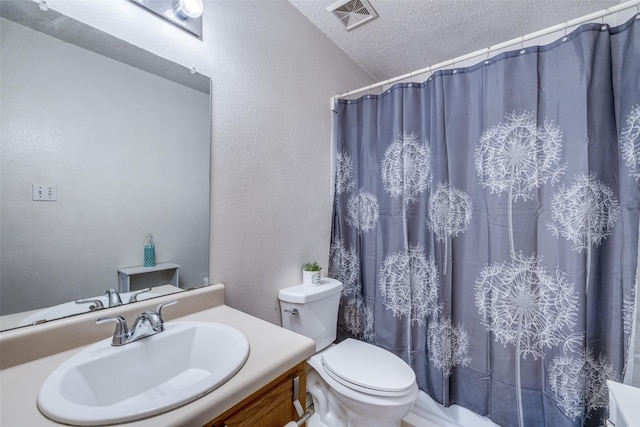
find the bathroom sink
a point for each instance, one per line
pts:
(104, 384)
(71, 308)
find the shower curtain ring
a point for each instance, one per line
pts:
(454, 66)
(522, 45)
(486, 61)
(604, 24)
(564, 39)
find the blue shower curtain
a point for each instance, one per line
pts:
(486, 226)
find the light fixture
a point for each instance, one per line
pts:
(186, 14)
(188, 8)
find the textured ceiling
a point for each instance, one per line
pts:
(412, 34)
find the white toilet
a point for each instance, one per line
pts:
(353, 383)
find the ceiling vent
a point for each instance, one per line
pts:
(353, 13)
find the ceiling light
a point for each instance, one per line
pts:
(188, 8)
(186, 14)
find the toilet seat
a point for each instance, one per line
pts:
(369, 369)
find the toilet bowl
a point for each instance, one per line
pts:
(360, 385)
(352, 383)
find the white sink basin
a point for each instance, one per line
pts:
(71, 308)
(103, 384)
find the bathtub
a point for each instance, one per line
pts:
(426, 412)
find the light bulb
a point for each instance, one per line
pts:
(188, 8)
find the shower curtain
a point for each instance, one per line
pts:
(486, 226)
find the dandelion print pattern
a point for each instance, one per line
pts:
(521, 303)
(448, 345)
(363, 211)
(358, 319)
(516, 157)
(449, 214)
(344, 171)
(630, 142)
(409, 284)
(579, 383)
(344, 265)
(584, 214)
(406, 167)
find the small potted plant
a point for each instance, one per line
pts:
(311, 273)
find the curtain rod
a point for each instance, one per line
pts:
(518, 40)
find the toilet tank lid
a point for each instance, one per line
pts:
(307, 293)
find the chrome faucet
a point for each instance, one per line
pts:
(113, 300)
(113, 297)
(146, 324)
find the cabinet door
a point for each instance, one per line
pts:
(271, 406)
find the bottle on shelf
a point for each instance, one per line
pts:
(149, 251)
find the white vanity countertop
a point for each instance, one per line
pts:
(273, 351)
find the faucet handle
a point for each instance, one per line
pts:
(163, 305)
(121, 333)
(134, 296)
(97, 304)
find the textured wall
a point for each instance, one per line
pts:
(271, 149)
(273, 75)
(112, 140)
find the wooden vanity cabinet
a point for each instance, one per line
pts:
(271, 406)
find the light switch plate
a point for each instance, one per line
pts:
(45, 192)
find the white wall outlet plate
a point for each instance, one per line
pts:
(45, 192)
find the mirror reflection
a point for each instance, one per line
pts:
(96, 154)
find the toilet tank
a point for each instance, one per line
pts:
(312, 310)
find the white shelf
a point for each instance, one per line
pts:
(125, 274)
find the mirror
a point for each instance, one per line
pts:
(120, 140)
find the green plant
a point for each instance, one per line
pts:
(312, 266)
